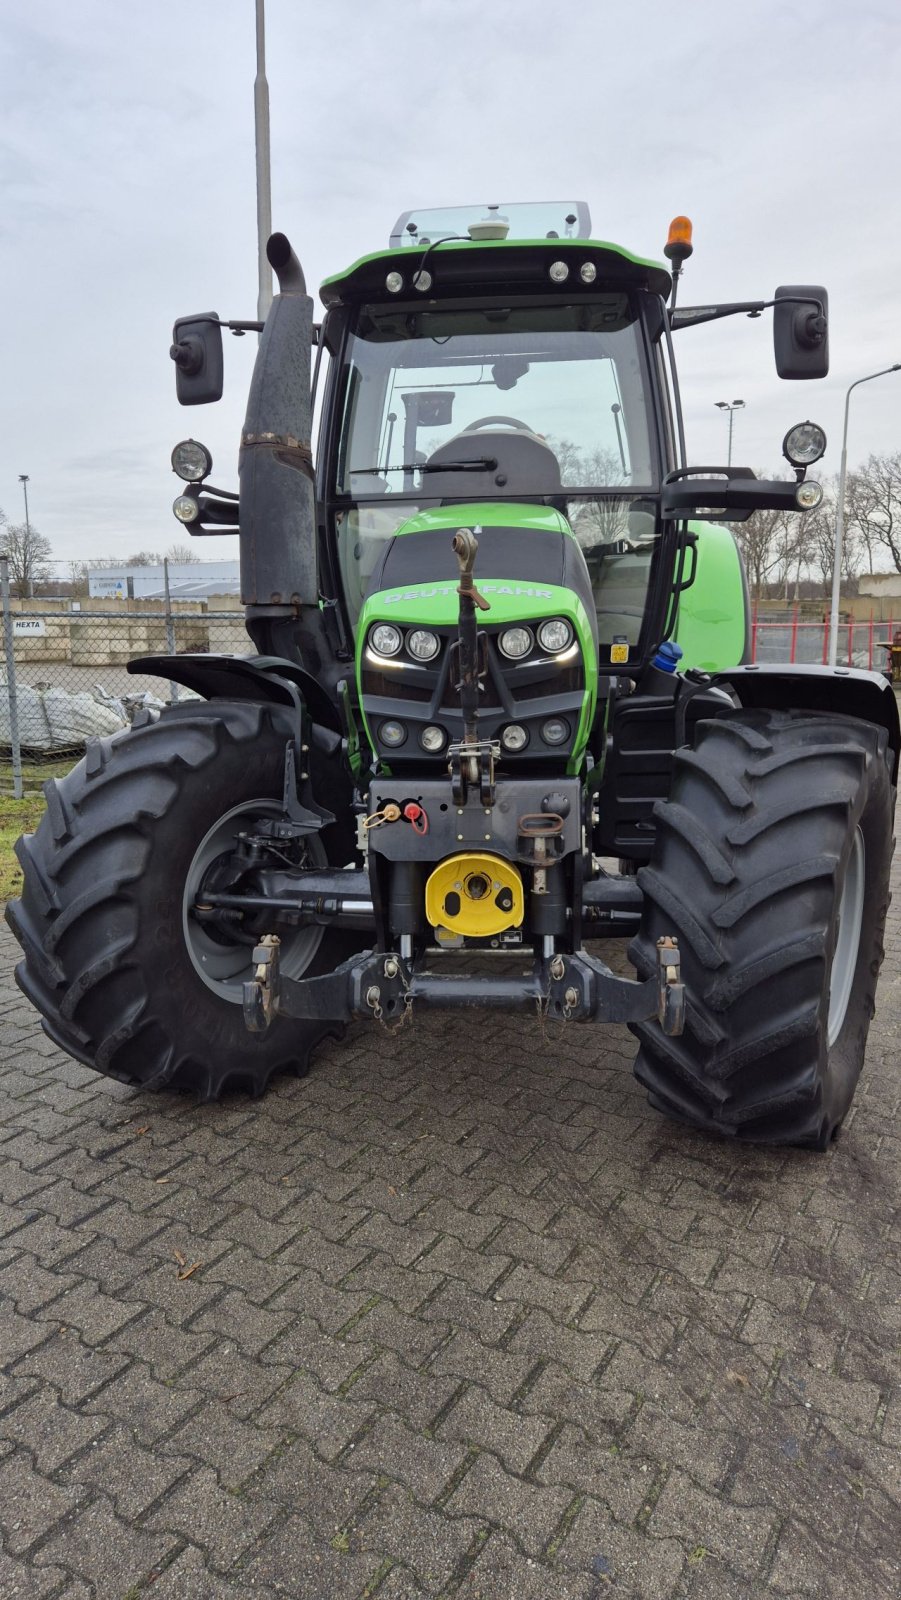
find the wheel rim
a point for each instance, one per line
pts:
(847, 944)
(224, 967)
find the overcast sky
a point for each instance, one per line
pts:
(128, 198)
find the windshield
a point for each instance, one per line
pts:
(495, 401)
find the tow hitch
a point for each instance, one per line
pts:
(577, 988)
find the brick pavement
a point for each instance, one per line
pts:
(484, 1330)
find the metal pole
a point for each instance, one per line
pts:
(18, 788)
(264, 185)
(724, 405)
(27, 583)
(170, 626)
(840, 514)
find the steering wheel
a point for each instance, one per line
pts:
(491, 422)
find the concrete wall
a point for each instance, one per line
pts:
(882, 608)
(111, 632)
(881, 585)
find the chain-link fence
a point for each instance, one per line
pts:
(64, 677)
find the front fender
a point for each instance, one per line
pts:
(244, 678)
(846, 691)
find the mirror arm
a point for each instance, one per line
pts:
(690, 316)
(730, 493)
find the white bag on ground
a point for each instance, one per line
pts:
(34, 727)
(75, 718)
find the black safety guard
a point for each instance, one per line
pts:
(381, 985)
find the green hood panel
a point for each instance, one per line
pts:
(511, 599)
(535, 539)
(488, 514)
(438, 605)
(712, 624)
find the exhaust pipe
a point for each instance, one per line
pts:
(275, 464)
(285, 265)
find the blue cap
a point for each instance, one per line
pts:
(668, 656)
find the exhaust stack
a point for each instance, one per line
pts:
(275, 464)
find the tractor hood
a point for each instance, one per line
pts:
(529, 569)
(526, 553)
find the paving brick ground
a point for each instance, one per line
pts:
(460, 1317)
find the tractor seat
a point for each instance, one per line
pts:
(526, 464)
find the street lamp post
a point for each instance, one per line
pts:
(264, 188)
(731, 406)
(27, 583)
(840, 513)
(24, 480)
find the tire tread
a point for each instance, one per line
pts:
(752, 914)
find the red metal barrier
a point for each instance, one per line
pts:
(792, 633)
(870, 642)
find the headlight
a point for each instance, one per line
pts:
(433, 739)
(423, 282)
(804, 444)
(515, 643)
(423, 644)
(385, 639)
(394, 283)
(558, 272)
(392, 734)
(192, 461)
(186, 508)
(555, 730)
(588, 272)
(514, 737)
(555, 635)
(808, 495)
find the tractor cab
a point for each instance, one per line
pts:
(498, 357)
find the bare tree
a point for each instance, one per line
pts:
(856, 518)
(820, 525)
(29, 556)
(141, 558)
(792, 538)
(821, 529)
(874, 505)
(182, 555)
(597, 521)
(760, 541)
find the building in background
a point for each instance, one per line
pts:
(192, 581)
(880, 585)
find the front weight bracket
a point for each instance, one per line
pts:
(261, 991)
(671, 989)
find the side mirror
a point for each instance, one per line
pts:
(197, 353)
(801, 331)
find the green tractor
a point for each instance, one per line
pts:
(501, 707)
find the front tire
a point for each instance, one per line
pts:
(771, 865)
(107, 956)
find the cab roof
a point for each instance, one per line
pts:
(460, 267)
